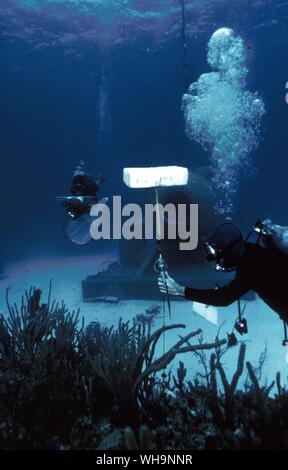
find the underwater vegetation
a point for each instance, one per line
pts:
(63, 386)
(223, 116)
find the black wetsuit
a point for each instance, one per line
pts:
(260, 270)
(84, 185)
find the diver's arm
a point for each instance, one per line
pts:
(219, 297)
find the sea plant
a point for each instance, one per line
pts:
(128, 365)
(66, 387)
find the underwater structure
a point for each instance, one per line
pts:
(133, 277)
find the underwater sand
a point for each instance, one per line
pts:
(67, 273)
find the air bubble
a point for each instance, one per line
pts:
(223, 116)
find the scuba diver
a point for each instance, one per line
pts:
(83, 192)
(261, 267)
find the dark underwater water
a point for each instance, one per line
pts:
(103, 81)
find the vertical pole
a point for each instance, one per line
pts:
(161, 262)
(158, 220)
(285, 333)
(184, 42)
(239, 310)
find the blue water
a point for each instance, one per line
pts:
(56, 57)
(103, 81)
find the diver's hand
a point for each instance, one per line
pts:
(170, 286)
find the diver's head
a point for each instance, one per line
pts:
(226, 247)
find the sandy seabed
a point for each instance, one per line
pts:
(66, 274)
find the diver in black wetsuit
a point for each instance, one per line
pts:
(84, 191)
(257, 268)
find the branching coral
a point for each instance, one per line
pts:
(127, 364)
(62, 388)
(223, 407)
(29, 331)
(40, 362)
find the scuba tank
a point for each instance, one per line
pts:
(273, 236)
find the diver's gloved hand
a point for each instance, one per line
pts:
(268, 228)
(170, 285)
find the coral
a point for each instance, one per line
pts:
(149, 316)
(225, 419)
(41, 361)
(130, 440)
(62, 387)
(126, 362)
(113, 441)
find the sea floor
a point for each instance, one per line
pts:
(66, 274)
